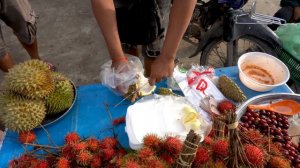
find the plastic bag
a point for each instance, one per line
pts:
(120, 79)
(289, 34)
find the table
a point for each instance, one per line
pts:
(91, 116)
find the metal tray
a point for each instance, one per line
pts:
(50, 119)
(266, 98)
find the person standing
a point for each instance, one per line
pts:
(160, 54)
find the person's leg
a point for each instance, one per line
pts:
(6, 62)
(151, 51)
(21, 18)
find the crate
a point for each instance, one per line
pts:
(292, 63)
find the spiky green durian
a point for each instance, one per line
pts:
(20, 114)
(58, 76)
(231, 90)
(61, 98)
(35, 63)
(29, 81)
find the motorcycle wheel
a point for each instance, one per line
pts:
(215, 53)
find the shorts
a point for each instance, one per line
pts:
(18, 15)
(153, 49)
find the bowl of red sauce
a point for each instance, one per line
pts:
(262, 72)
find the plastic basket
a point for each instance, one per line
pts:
(291, 63)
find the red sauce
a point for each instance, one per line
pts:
(259, 74)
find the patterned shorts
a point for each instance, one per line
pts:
(18, 15)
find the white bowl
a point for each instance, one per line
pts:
(269, 71)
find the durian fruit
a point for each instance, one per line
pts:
(35, 63)
(165, 91)
(29, 81)
(58, 76)
(133, 92)
(61, 98)
(20, 114)
(231, 90)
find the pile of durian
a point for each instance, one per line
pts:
(32, 91)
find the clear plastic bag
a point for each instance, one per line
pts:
(289, 34)
(120, 79)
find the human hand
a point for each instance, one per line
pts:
(161, 68)
(296, 13)
(120, 65)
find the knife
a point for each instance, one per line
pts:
(131, 94)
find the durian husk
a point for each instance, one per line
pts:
(29, 81)
(231, 90)
(20, 114)
(61, 98)
(58, 76)
(35, 63)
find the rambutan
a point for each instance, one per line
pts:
(145, 153)
(167, 158)
(254, 135)
(212, 133)
(254, 155)
(202, 156)
(84, 158)
(27, 137)
(67, 152)
(62, 162)
(96, 161)
(41, 164)
(172, 145)
(226, 106)
(23, 161)
(220, 147)
(208, 141)
(77, 147)
(278, 162)
(93, 144)
(119, 121)
(121, 152)
(155, 162)
(108, 143)
(215, 164)
(275, 148)
(131, 164)
(108, 154)
(72, 138)
(152, 141)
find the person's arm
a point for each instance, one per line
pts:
(105, 14)
(297, 13)
(180, 16)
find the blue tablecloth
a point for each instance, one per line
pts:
(90, 117)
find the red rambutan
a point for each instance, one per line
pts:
(121, 152)
(211, 133)
(67, 152)
(208, 140)
(152, 141)
(119, 121)
(132, 164)
(108, 154)
(172, 145)
(220, 147)
(23, 161)
(202, 156)
(42, 164)
(254, 135)
(145, 153)
(27, 137)
(72, 138)
(278, 162)
(96, 161)
(254, 155)
(84, 158)
(93, 144)
(62, 163)
(77, 147)
(225, 106)
(108, 143)
(155, 162)
(275, 148)
(168, 159)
